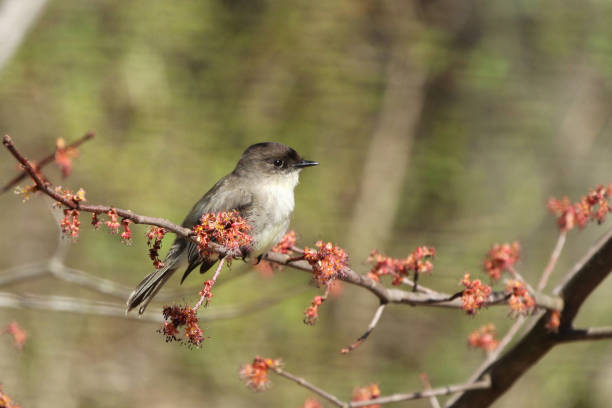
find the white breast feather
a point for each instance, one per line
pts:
(276, 194)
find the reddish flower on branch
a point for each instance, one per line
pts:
(206, 291)
(554, 322)
(418, 262)
(113, 221)
(95, 221)
(126, 235)
(228, 229)
(501, 258)
(63, 156)
(367, 393)
(6, 402)
(70, 223)
(19, 336)
(312, 313)
(327, 261)
(474, 295)
(592, 207)
(154, 239)
(285, 244)
(520, 301)
(255, 375)
(312, 403)
(177, 316)
(484, 338)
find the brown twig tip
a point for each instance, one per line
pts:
(7, 141)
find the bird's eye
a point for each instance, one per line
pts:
(278, 163)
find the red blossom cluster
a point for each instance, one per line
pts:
(70, 223)
(206, 292)
(484, 338)
(554, 322)
(113, 221)
(18, 334)
(227, 229)
(312, 403)
(126, 235)
(6, 401)
(592, 207)
(474, 295)
(520, 300)
(255, 375)
(501, 258)
(312, 313)
(286, 244)
(63, 156)
(327, 261)
(154, 240)
(95, 221)
(367, 393)
(177, 316)
(417, 262)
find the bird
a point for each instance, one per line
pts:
(260, 188)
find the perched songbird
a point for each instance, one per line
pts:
(260, 188)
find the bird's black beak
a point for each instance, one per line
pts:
(305, 163)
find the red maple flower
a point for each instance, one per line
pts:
(286, 244)
(177, 316)
(328, 261)
(312, 403)
(592, 207)
(255, 375)
(554, 322)
(367, 393)
(6, 401)
(19, 336)
(417, 262)
(501, 258)
(70, 223)
(312, 313)
(64, 156)
(155, 235)
(520, 301)
(126, 235)
(227, 229)
(484, 338)
(113, 221)
(474, 295)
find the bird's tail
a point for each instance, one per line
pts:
(152, 283)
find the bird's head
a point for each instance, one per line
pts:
(271, 159)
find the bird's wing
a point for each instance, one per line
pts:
(224, 196)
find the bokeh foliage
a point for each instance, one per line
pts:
(515, 107)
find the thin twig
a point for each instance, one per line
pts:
(371, 327)
(554, 257)
(451, 389)
(205, 294)
(44, 161)
(427, 386)
(302, 382)
(593, 333)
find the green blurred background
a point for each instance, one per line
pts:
(445, 122)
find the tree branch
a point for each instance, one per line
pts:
(593, 333)
(577, 286)
(44, 161)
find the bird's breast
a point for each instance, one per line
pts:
(274, 203)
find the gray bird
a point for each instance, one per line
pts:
(260, 188)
